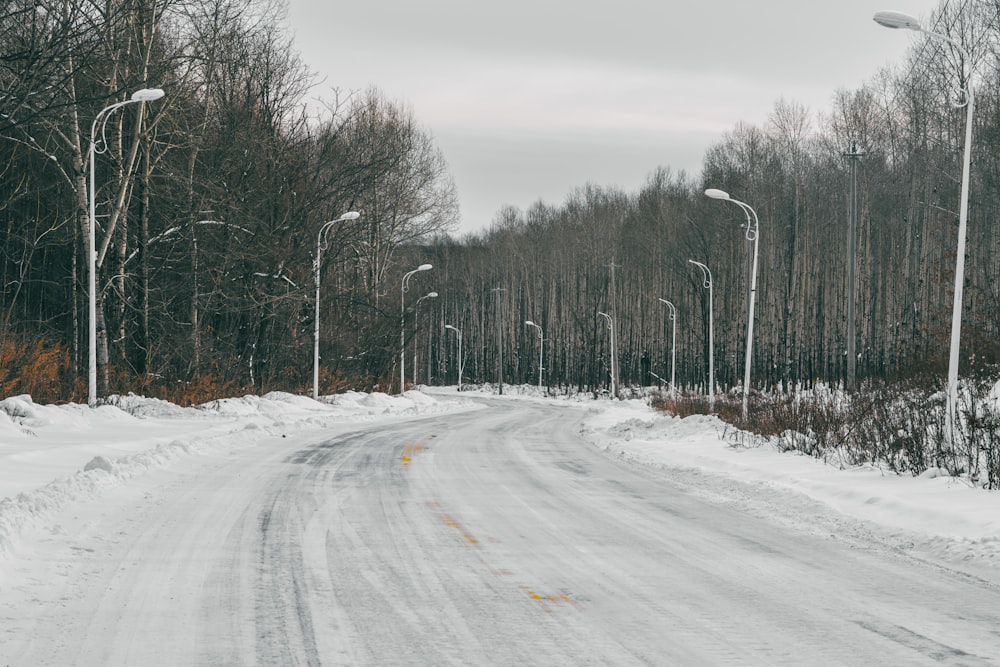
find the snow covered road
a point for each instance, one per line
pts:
(496, 536)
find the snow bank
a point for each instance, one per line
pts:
(936, 515)
(51, 455)
(149, 408)
(25, 412)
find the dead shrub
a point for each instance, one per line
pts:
(36, 369)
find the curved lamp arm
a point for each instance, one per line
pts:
(753, 225)
(705, 272)
(429, 295)
(406, 278)
(673, 309)
(901, 21)
(321, 238)
(142, 95)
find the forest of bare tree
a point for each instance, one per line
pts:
(209, 200)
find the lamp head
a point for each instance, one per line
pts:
(147, 94)
(716, 194)
(432, 294)
(529, 323)
(350, 215)
(425, 267)
(897, 20)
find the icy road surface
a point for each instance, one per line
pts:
(491, 537)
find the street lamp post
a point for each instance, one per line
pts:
(753, 227)
(100, 120)
(459, 332)
(707, 276)
(320, 243)
(541, 349)
(429, 295)
(673, 346)
(611, 326)
(402, 323)
(899, 20)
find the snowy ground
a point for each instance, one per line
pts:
(51, 456)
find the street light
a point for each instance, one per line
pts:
(142, 95)
(673, 345)
(459, 332)
(402, 324)
(899, 20)
(753, 227)
(429, 295)
(611, 326)
(320, 244)
(707, 276)
(541, 349)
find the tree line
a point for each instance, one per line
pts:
(554, 262)
(209, 201)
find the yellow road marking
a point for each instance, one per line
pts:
(545, 599)
(453, 523)
(410, 451)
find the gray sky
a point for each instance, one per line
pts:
(529, 99)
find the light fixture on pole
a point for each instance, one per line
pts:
(459, 332)
(100, 120)
(673, 346)
(402, 323)
(753, 227)
(899, 20)
(429, 295)
(611, 326)
(541, 349)
(320, 244)
(707, 276)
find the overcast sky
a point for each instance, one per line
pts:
(529, 99)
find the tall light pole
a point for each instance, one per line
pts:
(899, 20)
(320, 244)
(611, 326)
(673, 346)
(143, 95)
(429, 295)
(402, 323)
(707, 276)
(753, 227)
(459, 332)
(541, 349)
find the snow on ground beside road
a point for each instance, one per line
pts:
(51, 455)
(45, 449)
(940, 516)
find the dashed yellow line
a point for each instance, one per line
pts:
(545, 600)
(450, 521)
(410, 451)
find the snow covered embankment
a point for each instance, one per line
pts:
(51, 455)
(940, 517)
